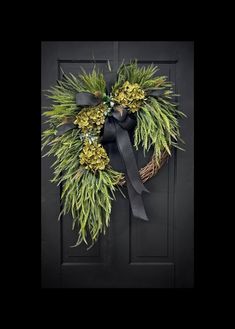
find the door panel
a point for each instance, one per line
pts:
(133, 253)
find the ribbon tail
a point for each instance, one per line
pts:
(135, 185)
(136, 202)
(126, 151)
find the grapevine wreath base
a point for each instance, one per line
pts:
(86, 120)
(150, 170)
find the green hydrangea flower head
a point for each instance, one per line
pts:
(130, 95)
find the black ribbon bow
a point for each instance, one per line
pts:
(116, 129)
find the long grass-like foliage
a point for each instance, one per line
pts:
(157, 119)
(144, 76)
(157, 127)
(86, 195)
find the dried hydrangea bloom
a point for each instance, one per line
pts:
(91, 118)
(93, 156)
(130, 95)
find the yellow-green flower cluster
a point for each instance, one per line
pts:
(130, 95)
(91, 119)
(93, 156)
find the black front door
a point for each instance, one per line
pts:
(134, 253)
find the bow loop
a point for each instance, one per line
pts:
(87, 99)
(129, 123)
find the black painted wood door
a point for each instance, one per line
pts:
(134, 253)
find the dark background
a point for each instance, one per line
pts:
(133, 254)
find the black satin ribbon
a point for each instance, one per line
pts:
(116, 129)
(87, 99)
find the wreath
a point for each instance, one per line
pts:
(85, 118)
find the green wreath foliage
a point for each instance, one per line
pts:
(81, 163)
